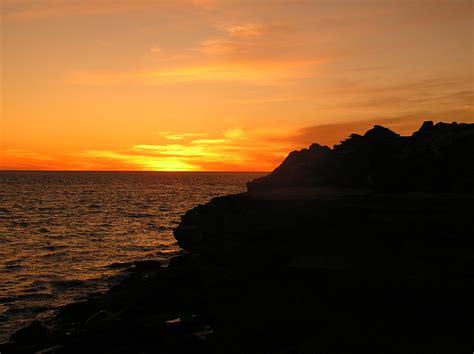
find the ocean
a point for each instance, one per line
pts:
(65, 235)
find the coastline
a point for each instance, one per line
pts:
(67, 235)
(366, 247)
(218, 299)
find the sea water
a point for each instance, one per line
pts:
(65, 235)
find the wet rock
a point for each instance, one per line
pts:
(145, 266)
(35, 332)
(51, 350)
(183, 260)
(101, 319)
(119, 265)
(78, 311)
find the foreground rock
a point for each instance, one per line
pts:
(293, 269)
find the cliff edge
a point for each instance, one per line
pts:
(436, 158)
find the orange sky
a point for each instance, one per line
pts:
(221, 84)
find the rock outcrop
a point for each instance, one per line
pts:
(314, 259)
(337, 251)
(436, 158)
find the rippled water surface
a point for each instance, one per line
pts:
(64, 235)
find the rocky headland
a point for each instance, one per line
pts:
(365, 247)
(436, 158)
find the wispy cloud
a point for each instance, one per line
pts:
(404, 124)
(44, 9)
(179, 136)
(221, 47)
(23, 157)
(245, 30)
(251, 41)
(266, 100)
(234, 149)
(387, 94)
(141, 162)
(258, 72)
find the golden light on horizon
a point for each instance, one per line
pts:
(145, 163)
(233, 149)
(218, 85)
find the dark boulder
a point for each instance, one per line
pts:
(146, 266)
(101, 319)
(78, 311)
(183, 260)
(35, 332)
(382, 133)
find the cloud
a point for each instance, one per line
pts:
(265, 100)
(12, 159)
(245, 30)
(23, 159)
(389, 94)
(179, 136)
(251, 41)
(45, 9)
(235, 149)
(236, 133)
(150, 163)
(404, 124)
(220, 47)
(257, 72)
(179, 150)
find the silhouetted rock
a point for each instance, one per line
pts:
(436, 158)
(147, 265)
(380, 133)
(426, 126)
(79, 311)
(183, 260)
(101, 319)
(33, 333)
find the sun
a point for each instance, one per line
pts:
(168, 164)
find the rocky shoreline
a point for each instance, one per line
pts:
(293, 268)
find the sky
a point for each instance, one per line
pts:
(222, 85)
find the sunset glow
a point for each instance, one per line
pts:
(221, 85)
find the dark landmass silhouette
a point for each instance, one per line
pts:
(366, 247)
(435, 158)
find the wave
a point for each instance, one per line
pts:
(141, 215)
(68, 283)
(119, 265)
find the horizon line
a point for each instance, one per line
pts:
(174, 171)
